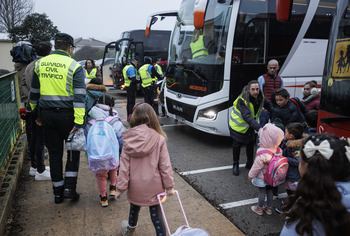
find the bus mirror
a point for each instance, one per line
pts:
(150, 21)
(199, 13)
(283, 10)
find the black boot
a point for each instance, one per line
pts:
(235, 168)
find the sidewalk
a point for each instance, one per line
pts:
(35, 212)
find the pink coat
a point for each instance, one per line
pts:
(145, 168)
(270, 137)
(261, 162)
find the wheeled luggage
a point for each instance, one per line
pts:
(184, 230)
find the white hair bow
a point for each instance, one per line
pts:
(324, 149)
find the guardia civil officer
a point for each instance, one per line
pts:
(244, 122)
(149, 76)
(130, 81)
(58, 89)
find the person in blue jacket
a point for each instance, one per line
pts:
(321, 204)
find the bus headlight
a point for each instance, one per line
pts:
(207, 114)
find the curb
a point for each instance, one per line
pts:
(8, 187)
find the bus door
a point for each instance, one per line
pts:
(107, 64)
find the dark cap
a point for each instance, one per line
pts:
(135, 59)
(64, 38)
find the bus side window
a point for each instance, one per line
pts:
(254, 45)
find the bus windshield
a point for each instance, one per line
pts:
(336, 84)
(196, 59)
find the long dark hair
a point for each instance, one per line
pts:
(317, 197)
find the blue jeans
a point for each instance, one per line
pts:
(264, 117)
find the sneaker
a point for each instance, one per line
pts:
(278, 210)
(43, 176)
(103, 200)
(32, 171)
(112, 190)
(125, 229)
(267, 210)
(71, 194)
(258, 210)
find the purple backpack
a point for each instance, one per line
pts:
(278, 167)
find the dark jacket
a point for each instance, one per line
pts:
(291, 149)
(290, 113)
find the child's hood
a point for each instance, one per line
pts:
(296, 143)
(140, 141)
(270, 136)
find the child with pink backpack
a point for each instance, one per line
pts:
(270, 137)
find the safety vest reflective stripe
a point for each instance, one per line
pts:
(34, 90)
(237, 123)
(56, 98)
(58, 184)
(92, 74)
(71, 174)
(198, 49)
(78, 105)
(79, 91)
(127, 81)
(145, 76)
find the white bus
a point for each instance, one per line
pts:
(241, 37)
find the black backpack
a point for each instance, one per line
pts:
(23, 52)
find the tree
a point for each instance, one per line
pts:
(34, 27)
(12, 13)
(88, 52)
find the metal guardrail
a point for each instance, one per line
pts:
(11, 125)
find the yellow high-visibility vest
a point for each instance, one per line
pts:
(237, 123)
(145, 76)
(198, 49)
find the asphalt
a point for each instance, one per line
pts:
(27, 207)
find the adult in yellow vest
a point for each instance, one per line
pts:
(91, 70)
(198, 48)
(244, 122)
(149, 76)
(130, 81)
(58, 89)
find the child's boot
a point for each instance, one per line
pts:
(112, 190)
(126, 229)
(258, 210)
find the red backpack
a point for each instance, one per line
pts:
(277, 170)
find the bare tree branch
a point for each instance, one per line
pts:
(13, 12)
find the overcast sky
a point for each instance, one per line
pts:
(104, 20)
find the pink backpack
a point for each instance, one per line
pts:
(277, 169)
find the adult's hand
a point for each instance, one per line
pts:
(73, 130)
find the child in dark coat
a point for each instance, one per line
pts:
(291, 146)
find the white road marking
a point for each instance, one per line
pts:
(191, 172)
(246, 202)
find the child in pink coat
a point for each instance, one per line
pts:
(145, 168)
(270, 138)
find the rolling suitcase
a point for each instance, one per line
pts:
(184, 230)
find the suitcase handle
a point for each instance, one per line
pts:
(161, 207)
